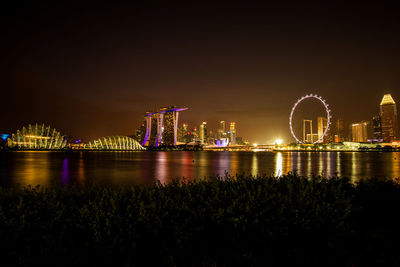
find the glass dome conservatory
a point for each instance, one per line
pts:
(37, 137)
(114, 143)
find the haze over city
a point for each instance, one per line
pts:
(92, 70)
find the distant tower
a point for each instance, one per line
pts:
(339, 130)
(222, 126)
(304, 132)
(185, 133)
(390, 126)
(377, 127)
(221, 130)
(203, 132)
(322, 124)
(359, 132)
(196, 134)
(233, 133)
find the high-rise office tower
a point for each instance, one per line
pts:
(339, 130)
(359, 132)
(222, 126)
(195, 134)
(232, 129)
(305, 134)
(377, 127)
(185, 132)
(322, 123)
(203, 132)
(221, 130)
(390, 126)
(180, 135)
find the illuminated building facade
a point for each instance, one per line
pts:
(140, 133)
(169, 133)
(221, 130)
(359, 132)
(232, 129)
(203, 133)
(339, 130)
(305, 134)
(114, 143)
(389, 120)
(322, 123)
(182, 132)
(377, 127)
(37, 137)
(3, 140)
(311, 138)
(222, 142)
(154, 134)
(162, 127)
(195, 134)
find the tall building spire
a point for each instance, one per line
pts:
(390, 126)
(387, 100)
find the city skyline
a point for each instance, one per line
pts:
(162, 127)
(242, 63)
(136, 133)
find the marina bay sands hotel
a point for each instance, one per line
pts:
(162, 127)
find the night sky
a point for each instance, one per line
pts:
(93, 70)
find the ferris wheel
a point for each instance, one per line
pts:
(328, 115)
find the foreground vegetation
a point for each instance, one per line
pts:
(222, 222)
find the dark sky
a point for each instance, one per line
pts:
(93, 70)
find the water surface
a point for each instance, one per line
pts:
(145, 167)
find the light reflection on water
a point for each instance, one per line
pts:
(278, 160)
(114, 168)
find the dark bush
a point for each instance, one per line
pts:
(235, 221)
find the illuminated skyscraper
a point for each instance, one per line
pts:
(359, 132)
(196, 134)
(305, 134)
(203, 132)
(184, 132)
(232, 129)
(185, 128)
(140, 133)
(222, 126)
(339, 130)
(377, 127)
(169, 131)
(154, 130)
(390, 126)
(221, 130)
(322, 124)
(162, 126)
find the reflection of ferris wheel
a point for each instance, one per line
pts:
(328, 115)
